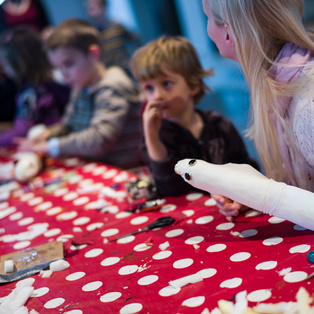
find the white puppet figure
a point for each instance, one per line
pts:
(29, 164)
(244, 184)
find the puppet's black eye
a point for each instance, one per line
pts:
(188, 176)
(192, 162)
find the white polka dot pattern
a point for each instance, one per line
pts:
(92, 286)
(263, 255)
(110, 297)
(259, 295)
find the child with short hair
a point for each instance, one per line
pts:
(38, 98)
(170, 73)
(102, 120)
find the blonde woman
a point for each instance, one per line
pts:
(268, 39)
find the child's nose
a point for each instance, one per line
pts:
(159, 94)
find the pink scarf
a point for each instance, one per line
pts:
(290, 54)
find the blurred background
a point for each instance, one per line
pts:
(149, 19)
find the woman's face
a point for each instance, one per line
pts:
(219, 34)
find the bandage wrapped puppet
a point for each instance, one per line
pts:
(245, 185)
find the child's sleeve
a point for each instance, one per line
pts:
(19, 129)
(106, 124)
(26, 100)
(59, 129)
(167, 181)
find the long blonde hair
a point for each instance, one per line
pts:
(260, 28)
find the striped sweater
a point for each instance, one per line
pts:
(103, 123)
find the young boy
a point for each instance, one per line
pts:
(102, 119)
(169, 71)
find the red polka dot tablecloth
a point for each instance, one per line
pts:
(263, 255)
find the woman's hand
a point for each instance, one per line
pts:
(228, 207)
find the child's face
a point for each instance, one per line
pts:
(172, 92)
(76, 67)
(95, 9)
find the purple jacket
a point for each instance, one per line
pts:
(43, 103)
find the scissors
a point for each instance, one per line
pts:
(310, 257)
(160, 222)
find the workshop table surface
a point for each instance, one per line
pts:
(263, 255)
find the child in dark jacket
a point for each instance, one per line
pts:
(170, 73)
(39, 99)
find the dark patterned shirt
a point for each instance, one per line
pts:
(219, 143)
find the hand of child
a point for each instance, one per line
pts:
(43, 136)
(29, 145)
(228, 207)
(41, 147)
(25, 144)
(152, 117)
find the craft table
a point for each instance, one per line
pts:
(266, 256)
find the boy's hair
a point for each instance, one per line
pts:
(174, 53)
(23, 49)
(74, 33)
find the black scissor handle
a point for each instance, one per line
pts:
(161, 222)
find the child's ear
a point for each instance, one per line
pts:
(228, 36)
(195, 90)
(94, 50)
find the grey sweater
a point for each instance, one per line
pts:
(103, 123)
